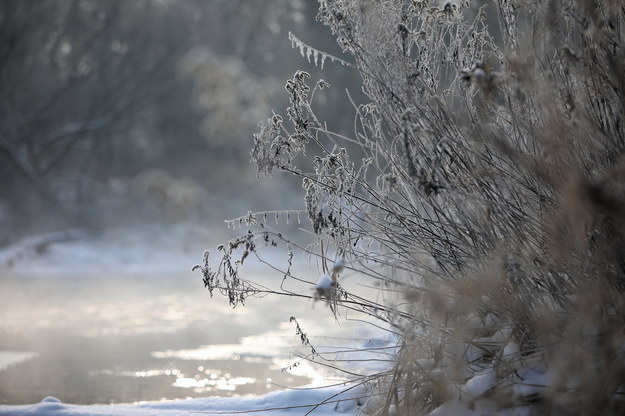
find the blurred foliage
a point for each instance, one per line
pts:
(95, 92)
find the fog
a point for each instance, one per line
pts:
(125, 134)
(130, 338)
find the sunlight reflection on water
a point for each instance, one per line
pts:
(116, 340)
(10, 358)
(148, 336)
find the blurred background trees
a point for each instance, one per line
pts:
(113, 110)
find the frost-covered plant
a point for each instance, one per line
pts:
(489, 201)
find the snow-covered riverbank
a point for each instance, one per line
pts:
(319, 402)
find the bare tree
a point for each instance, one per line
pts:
(73, 73)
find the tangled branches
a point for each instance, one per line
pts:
(489, 201)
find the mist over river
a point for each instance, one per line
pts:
(73, 328)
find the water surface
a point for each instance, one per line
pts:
(132, 339)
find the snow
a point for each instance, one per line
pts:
(325, 282)
(454, 407)
(324, 287)
(284, 403)
(511, 349)
(534, 381)
(480, 383)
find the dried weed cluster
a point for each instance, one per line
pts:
(490, 202)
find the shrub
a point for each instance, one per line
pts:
(489, 202)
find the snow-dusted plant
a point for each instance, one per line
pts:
(489, 202)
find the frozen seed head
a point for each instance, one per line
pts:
(339, 265)
(324, 283)
(324, 288)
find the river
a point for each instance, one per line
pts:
(132, 337)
